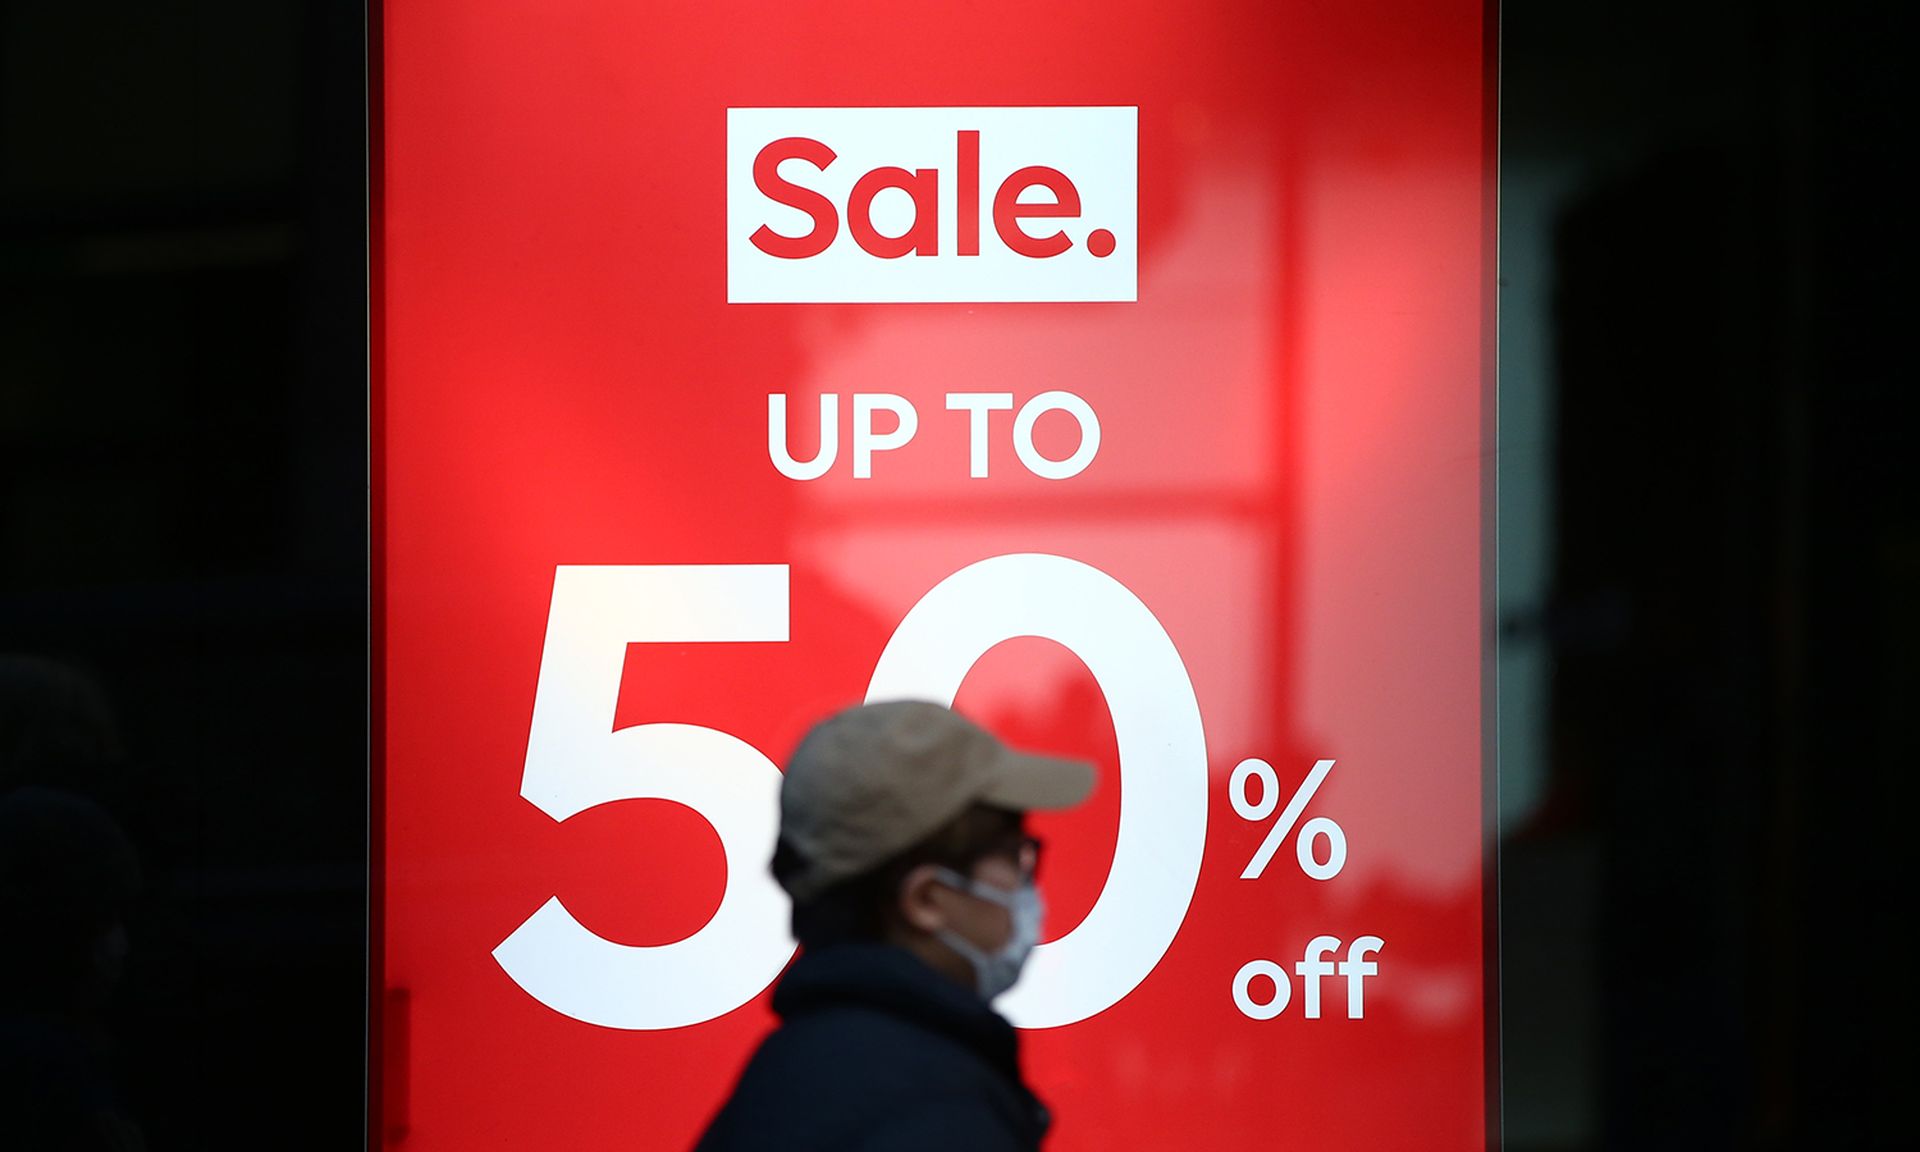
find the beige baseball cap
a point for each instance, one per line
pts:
(872, 781)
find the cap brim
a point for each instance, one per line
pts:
(1028, 783)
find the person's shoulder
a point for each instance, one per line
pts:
(849, 1037)
(868, 1041)
(946, 1122)
(829, 1077)
(844, 1115)
(820, 1073)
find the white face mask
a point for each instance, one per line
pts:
(995, 972)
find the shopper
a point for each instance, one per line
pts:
(903, 845)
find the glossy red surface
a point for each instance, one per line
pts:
(1289, 478)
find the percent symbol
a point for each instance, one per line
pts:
(1320, 827)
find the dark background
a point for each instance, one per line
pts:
(183, 522)
(1709, 556)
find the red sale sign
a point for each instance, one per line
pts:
(1115, 373)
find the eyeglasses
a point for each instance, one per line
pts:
(1024, 851)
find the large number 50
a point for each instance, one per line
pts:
(576, 760)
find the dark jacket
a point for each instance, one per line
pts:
(876, 1052)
